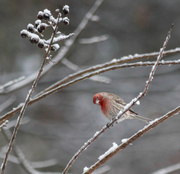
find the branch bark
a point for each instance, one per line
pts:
(141, 132)
(126, 108)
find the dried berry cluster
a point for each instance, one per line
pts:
(46, 19)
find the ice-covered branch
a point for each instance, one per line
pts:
(20, 158)
(151, 75)
(10, 83)
(141, 132)
(62, 52)
(94, 39)
(64, 82)
(169, 169)
(34, 38)
(126, 108)
(113, 64)
(75, 67)
(84, 74)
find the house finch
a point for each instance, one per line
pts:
(111, 104)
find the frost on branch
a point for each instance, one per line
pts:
(47, 20)
(109, 151)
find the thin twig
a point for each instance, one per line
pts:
(26, 165)
(7, 103)
(168, 169)
(108, 66)
(95, 71)
(10, 83)
(61, 54)
(141, 132)
(127, 107)
(75, 67)
(26, 104)
(62, 84)
(94, 39)
(7, 89)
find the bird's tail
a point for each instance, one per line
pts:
(147, 120)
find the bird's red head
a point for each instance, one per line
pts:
(98, 98)
(102, 99)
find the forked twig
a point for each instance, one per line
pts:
(24, 106)
(112, 65)
(64, 50)
(9, 87)
(127, 107)
(61, 84)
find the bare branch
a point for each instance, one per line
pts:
(168, 169)
(94, 39)
(127, 107)
(25, 33)
(75, 67)
(26, 165)
(102, 170)
(112, 65)
(61, 84)
(21, 115)
(141, 132)
(7, 89)
(63, 51)
(10, 83)
(7, 103)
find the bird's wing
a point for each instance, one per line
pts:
(121, 102)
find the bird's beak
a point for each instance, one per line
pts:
(97, 101)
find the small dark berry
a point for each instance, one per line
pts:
(34, 40)
(66, 21)
(46, 16)
(24, 33)
(53, 48)
(41, 45)
(41, 28)
(66, 9)
(30, 28)
(37, 22)
(40, 15)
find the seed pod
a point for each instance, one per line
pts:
(37, 22)
(66, 20)
(42, 27)
(66, 9)
(54, 47)
(40, 15)
(24, 33)
(30, 28)
(41, 44)
(46, 16)
(34, 39)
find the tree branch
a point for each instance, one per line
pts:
(126, 108)
(141, 132)
(63, 51)
(61, 84)
(24, 106)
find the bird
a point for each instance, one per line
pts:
(111, 104)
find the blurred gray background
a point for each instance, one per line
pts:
(61, 123)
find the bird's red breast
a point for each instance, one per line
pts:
(102, 100)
